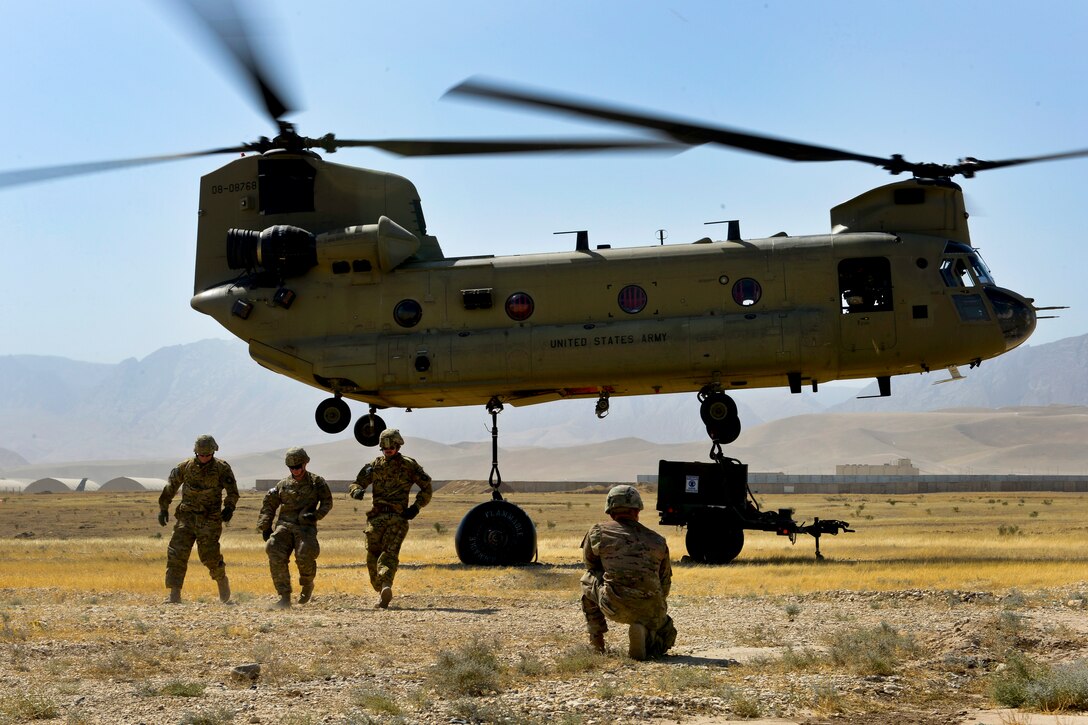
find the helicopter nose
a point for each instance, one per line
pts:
(1014, 313)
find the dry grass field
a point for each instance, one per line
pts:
(938, 607)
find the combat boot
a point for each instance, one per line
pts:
(596, 642)
(224, 589)
(636, 637)
(284, 602)
(175, 595)
(307, 592)
(386, 597)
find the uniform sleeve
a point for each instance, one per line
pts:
(324, 497)
(362, 480)
(665, 572)
(173, 483)
(268, 509)
(230, 485)
(591, 543)
(422, 480)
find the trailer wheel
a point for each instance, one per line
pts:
(712, 541)
(496, 533)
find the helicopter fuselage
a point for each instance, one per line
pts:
(346, 291)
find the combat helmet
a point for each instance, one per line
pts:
(626, 497)
(296, 457)
(205, 445)
(390, 437)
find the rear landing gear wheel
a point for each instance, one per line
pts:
(368, 429)
(725, 432)
(333, 415)
(496, 533)
(719, 414)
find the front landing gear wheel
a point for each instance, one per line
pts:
(496, 533)
(333, 415)
(369, 429)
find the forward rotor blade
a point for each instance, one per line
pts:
(686, 132)
(457, 147)
(223, 21)
(21, 177)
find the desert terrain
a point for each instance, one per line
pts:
(940, 608)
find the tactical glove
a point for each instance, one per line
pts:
(228, 513)
(163, 517)
(356, 493)
(265, 533)
(410, 513)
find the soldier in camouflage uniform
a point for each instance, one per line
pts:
(628, 578)
(392, 475)
(303, 499)
(200, 516)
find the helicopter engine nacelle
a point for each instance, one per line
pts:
(284, 250)
(289, 251)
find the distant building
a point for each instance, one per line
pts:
(13, 485)
(61, 485)
(902, 467)
(131, 483)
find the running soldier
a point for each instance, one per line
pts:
(628, 578)
(392, 475)
(200, 516)
(303, 499)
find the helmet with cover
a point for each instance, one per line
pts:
(623, 497)
(296, 457)
(205, 446)
(390, 438)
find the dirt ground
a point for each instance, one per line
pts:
(130, 659)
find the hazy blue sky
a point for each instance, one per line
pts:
(99, 267)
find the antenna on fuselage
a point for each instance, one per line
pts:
(581, 242)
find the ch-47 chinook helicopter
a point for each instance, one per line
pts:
(329, 273)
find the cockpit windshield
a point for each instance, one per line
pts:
(962, 266)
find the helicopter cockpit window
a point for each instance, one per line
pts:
(865, 284)
(747, 292)
(962, 266)
(408, 313)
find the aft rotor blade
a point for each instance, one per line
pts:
(224, 22)
(969, 166)
(686, 132)
(456, 147)
(20, 177)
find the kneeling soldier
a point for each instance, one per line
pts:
(627, 579)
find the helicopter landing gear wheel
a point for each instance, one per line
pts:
(713, 541)
(368, 429)
(725, 432)
(719, 414)
(496, 533)
(333, 415)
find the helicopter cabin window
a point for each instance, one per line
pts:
(285, 186)
(747, 292)
(408, 313)
(632, 299)
(865, 285)
(519, 306)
